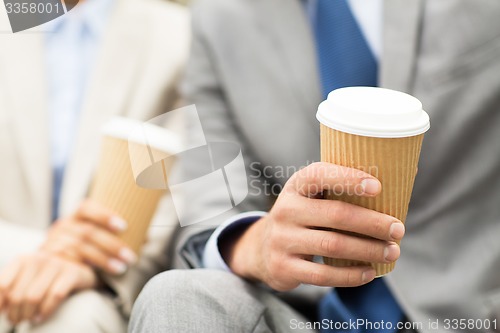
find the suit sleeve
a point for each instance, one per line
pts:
(204, 87)
(17, 240)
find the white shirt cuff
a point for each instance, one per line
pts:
(212, 257)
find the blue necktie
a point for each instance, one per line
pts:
(345, 59)
(344, 56)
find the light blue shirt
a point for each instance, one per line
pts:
(71, 44)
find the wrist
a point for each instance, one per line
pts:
(243, 254)
(64, 254)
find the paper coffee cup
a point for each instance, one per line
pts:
(124, 157)
(378, 131)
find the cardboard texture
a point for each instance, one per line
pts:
(392, 160)
(115, 187)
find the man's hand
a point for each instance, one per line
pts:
(278, 249)
(90, 236)
(33, 287)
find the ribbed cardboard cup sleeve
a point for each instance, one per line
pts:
(114, 186)
(392, 160)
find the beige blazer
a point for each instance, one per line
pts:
(140, 60)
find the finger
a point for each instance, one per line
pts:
(58, 242)
(58, 292)
(344, 216)
(102, 216)
(38, 289)
(100, 260)
(327, 276)
(103, 241)
(321, 176)
(7, 278)
(113, 246)
(64, 241)
(16, 297)
(341, 246)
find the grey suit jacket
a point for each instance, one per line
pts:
(253, 76)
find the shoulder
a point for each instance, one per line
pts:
(222, 6)
(222, 18)
(163, 9)
(223, 10)
(157, 14)
(4, 20)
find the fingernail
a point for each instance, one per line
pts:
(117, 266)
(370, 186)
(118, 223)
(391, 252)
(368, 275)
(397, 230)
(128, 255)
(38, 320)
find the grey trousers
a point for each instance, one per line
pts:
(204, 301)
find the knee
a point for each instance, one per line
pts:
(168, 291)
(165, 285)
(159, 297)
(181, 296)
(179, 285)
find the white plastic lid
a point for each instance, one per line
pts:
(142, 133)
(375, 112)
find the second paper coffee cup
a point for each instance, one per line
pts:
(129, 146)
(378, 131)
